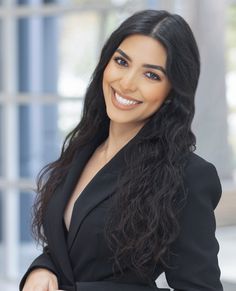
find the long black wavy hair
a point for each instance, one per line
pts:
(143, 221)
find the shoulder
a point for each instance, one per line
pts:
(195, 161)
(193, 254)
(202, 180)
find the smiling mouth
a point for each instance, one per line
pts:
(123, 103)
(123, 100)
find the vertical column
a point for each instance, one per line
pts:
(161, 4)
(34, 46)
(207, 18)
(10, 141)
(50, 70)
(103, 15)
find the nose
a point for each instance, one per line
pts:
(128, 82)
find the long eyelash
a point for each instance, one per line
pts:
(157, 77)
(119, 58)
(123, 60)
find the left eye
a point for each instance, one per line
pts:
(153, 76)
(120, 61)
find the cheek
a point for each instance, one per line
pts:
(157, 94)
(111, 73)
(105, 75)
(106, 79)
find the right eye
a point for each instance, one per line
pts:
(120, 61)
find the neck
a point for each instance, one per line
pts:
(119, 135)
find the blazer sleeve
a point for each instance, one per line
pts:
(193, 258)
(42, 261)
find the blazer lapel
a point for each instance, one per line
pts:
(99, 188)
(55, 235)
(102, 185)
(54, 215)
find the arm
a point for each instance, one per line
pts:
(195, 250)
(43, 261)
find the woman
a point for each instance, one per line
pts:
(128, 199)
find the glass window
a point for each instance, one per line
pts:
(1, 218)
(78, 40)
(38, 56)
(26, 201)
(52, 53)
(38, 137)
(27, 250)
(1, 144)
(30, 2)
(231, 77)
(1, 234)
(42, 129)
(1, 64)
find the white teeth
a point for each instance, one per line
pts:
(124, 101)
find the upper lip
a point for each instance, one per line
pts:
(125, 96)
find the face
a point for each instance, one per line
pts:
(134, 81)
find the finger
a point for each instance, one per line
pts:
(38, 288)
(53, 285)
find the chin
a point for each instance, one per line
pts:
(124, 121)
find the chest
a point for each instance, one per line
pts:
(92, 167)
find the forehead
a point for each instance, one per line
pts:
(144, 49)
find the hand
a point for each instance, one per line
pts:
(41, 279)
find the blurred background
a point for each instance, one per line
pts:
(48, 50)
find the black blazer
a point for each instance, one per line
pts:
(79, 258)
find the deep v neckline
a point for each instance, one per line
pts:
(83, 188)
(108, 168)
(86, 187)
(91, 181)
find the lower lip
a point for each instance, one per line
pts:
(122, 106)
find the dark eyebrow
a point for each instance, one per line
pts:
(156, 67)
